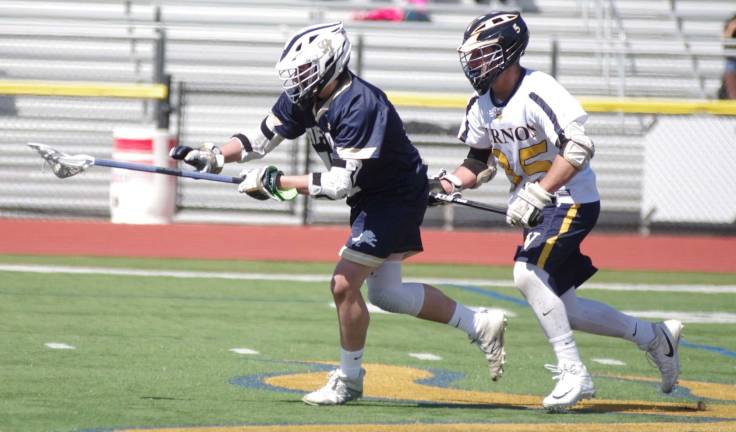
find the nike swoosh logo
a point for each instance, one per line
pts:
(562, 395)
(546, 313)
(458, 323)
(669, 344)
(636, 327)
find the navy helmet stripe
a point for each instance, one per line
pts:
(551, 114)
(297, 37)
(472, 100)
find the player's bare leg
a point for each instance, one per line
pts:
(346, 383)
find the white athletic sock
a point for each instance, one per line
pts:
(464, 319)
(351, 362)
(598, 318)
(565, 348)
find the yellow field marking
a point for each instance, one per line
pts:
(398, 382)
(83, 89)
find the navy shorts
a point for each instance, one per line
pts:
(554, 245)
(381, 227)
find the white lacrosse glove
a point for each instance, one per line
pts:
(436, 187)
(526, 209)
(261, 184)
(207, 158)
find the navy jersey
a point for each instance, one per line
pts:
(359, 122)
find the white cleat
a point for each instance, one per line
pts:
(338, 390)
(663, 351)
(490, 339)
(573, 385)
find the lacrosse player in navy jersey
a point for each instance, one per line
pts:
(371, 162)
(526, 122)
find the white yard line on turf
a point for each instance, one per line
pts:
(426, 356)
(375, 309)
(33, 268)
(59, 345)
(609, 361)
(245, 351)
(691, 317)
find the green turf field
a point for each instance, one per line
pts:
(154, 351)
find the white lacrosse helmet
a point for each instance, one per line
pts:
(311, 59)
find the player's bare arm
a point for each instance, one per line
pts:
(232, 150)
(478, 167)
(558, 175)
(298, 182)
(466, 178)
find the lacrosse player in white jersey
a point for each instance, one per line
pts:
(525, 122)
(371, 162)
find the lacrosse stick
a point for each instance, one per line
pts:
(64, 165)
(457, 199)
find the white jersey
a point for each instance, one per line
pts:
(524, 133)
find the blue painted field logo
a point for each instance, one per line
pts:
(388, 382)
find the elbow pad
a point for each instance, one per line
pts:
(337, 183)
(261, 141)
(577, 148)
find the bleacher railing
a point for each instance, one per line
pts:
(223, 82)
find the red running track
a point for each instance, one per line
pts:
(282, 243)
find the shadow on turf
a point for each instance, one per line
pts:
(589, 408)
(165, 398)
(603, 408)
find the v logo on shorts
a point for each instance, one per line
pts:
(530, 239)
(366, 237)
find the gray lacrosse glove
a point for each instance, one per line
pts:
(207, 158)
(526, 208)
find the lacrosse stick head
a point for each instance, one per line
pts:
(62, 164)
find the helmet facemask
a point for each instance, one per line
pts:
(299, 82)
(312, 59)
(482, 65)
(491, 44)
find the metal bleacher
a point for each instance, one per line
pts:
(221, 55)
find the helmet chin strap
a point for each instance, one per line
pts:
(306, 102)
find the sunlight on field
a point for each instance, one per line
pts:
(178, 345)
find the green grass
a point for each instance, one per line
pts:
(153, 351)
